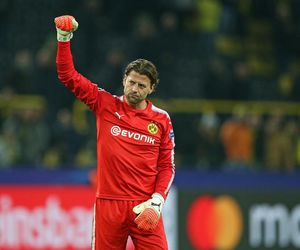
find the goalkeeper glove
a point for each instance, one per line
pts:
(149, 212)
(65, 26)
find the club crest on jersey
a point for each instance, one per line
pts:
(152, 128)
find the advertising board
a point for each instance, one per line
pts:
(58, 217)
(239, 219)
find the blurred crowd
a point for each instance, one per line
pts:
(243, 141)
(208, 49)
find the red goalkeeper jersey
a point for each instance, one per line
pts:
(135, 148)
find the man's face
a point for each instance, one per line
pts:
(136, 88)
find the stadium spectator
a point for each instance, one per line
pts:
(280, 144)
(66, 142)
(209, 151)
(9, 148)
(238, 141)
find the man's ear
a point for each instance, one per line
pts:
(124, 80)
(152, 88)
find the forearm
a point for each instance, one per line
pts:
(164, 181)
(165, 162)
(64, 62)
(82, 88)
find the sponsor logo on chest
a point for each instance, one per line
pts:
(117, 131)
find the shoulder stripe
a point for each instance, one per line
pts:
(121, 98)
(173, 172)
(158, 110)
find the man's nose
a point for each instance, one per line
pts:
(135, 87)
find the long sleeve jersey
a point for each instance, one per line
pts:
(135, 148)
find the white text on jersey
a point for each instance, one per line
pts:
(116, 131)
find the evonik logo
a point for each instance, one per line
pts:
(117, 131)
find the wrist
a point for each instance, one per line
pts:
(64, 36)
(158, 198)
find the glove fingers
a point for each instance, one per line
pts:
(75, 24)
(65, 23)
(147, 220)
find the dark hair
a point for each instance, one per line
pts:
(144, 67)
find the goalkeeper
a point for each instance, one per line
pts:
(135, 151)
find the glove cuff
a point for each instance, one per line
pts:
(63, 36)
(158, 197)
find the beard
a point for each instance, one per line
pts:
(133, 98)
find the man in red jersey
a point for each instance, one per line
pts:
(135, 151)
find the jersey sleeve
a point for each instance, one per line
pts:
(165, 164)
(83, 88)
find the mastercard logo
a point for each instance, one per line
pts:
(214, 223)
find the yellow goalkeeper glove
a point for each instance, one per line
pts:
(65, 26)
(149, 212)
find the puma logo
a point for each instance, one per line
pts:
(118, 115)
(156, 205)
